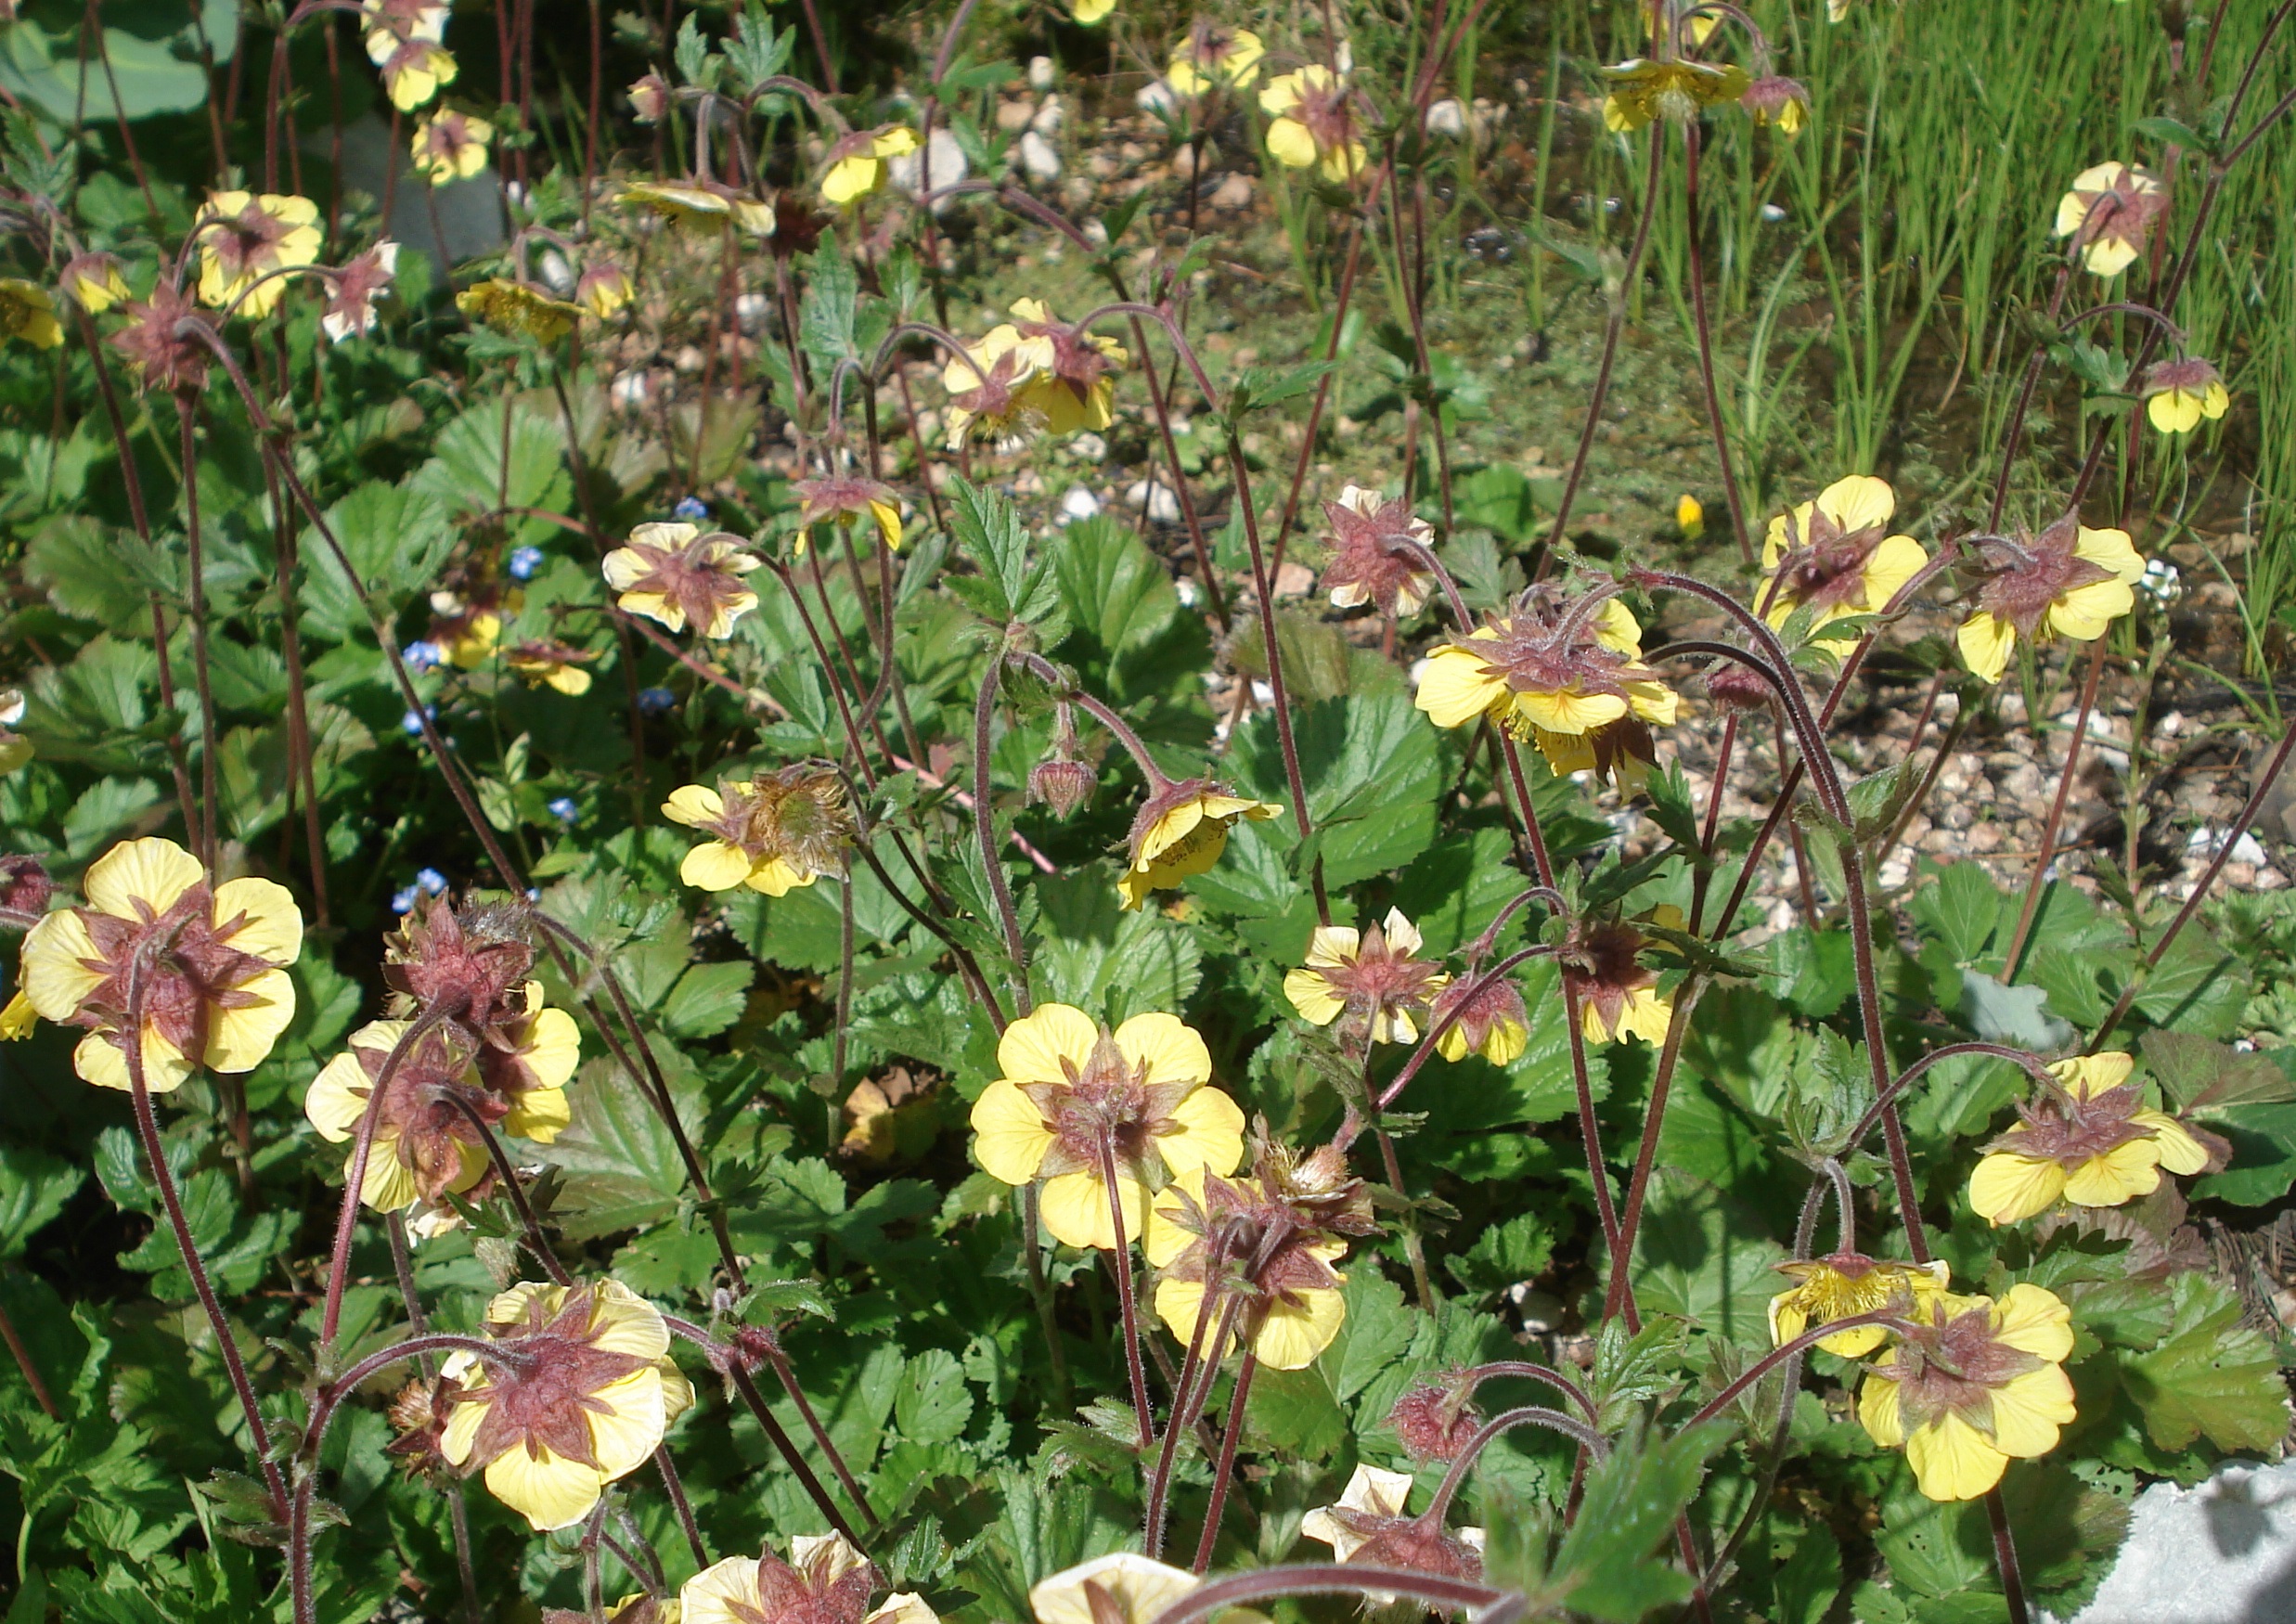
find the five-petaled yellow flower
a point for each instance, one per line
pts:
(1973, 1384)
(450, 146)
(1180, 833)
(824, 1581)
(1210, 54)
(857, 164)
(1642, 90)
(2109, 214)
(2098, 1145)
(1295, 1297)
(1076, 1103)
(674, 573)
(1836, 554)
(210, 961)
(1313, 123)
(1849, 1283)
(2069, 581)
(1375, 978)
(580, 1395)
(2180, 395)
(244, 238)
(702, 205)
(774, 834)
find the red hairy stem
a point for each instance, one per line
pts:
(1120, 1264)
(985, 827)
(1696, 272)
(1223, 1472)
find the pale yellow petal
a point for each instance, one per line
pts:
(1034, 1048)
(726, 1593)
(2120, 1175)
(1211, 1134)
(238, 1040)
(1140, 1587)
(2034, 1320)
(1313, 996)
(2028, 1410)
(152, 871)
(540, 1116)
(2007, 1188)
(1951, 1460)
(1878, 1412)
(695, 806)
(1455, 688)
(1986, 642)
(625, 1433)
(1164, 1049)
(1075, 1209)
(1010, 1135)
(547, 1489)
(337, 1098)
(2180, 1153)
(715, 865)
(271, 926)
(53, 965)
(1299, 1326)
(1858, 502)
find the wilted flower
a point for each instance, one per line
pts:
(2110, 213)
(604, 289)
(163, 357)
(776, 833)
(1566, 673)
(352, 291)
(1970, 1386)
(555, 665)
(1847, 1284)
(210, 960)
(519, 307)
(2095, 1143)
(1373, 977)
(1075, 1099)
(2178, 395)
(94, 282)
(1372, 557)
(702, 205)
(856, 161)
(1642, 90)
(1212, 54)
(1180, 833)
(1777, 100)
(1491, 1020)
(2068, 581)
(825, 1582)
(675, 574)
(1835, 555)
(1368, 1524)
(577, 1392)
(1601, 964)
(467, 965)
(1313, 123)
(1063, 784)
(845, 499)
(243, 238)
(450, 146)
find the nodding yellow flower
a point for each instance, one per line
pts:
(519, 307)
(18, 1020)
(2180, 395)
(825, 1582)
(1374, 976)
(856, 162)
(674, 573)
(244, 238)
(1377, 553)
(1618, 995)
(702, 205)
(415, 70)
(2111, 214)
(845, 499)
(95, 283)
(1211, 54)
(2096, 1144)
(1847, 1284)
(1642, 90)
(423, 1147)
(1689, 516)
(470, 639)
(1774, 99)
(1088, 12)
(581, 1395)
(1075, 1096)
(988, 383)
(778, 831)
(2068, 581)
(1493, 1021)
(604, 289)
(1836, 554)
(26, 312)
(387, 23)
(1180, 833)
(213, 964)
(1073, 390)
(1264, 1243)
(1368, 1524)
(552, 666)
(450, 146)
(352, 291)
(1975, 1384)
(1315, 122)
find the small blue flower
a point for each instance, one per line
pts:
(525, 562)
(424, 655)
(564, 809)
(411, 722)
(404, 901)
(429, 881)
(692, 509)
(654, 700)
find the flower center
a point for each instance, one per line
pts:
(190, 966)
(544, 1394)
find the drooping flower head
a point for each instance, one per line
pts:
(1368, 1524)
(2179, 394)
(1313, 122)
(1210, 54)
(1371, 981)
(706, 206)
(94, 282)
(1491, 1020)
(1971, 1385)
(856, 162)
(846, 499)
(603, 289)
(1847, 1283)
(415, 70)
(387, 22)
(1642, 90)
(989, 384)
(1075, 1098)
(209, 960)
(825, 1582)
(1267, 1243)
(1564, 673)
(1616, 992)
(1180, 833)
(543, 663)
(450, 146)
(468, 964)
(1073, 391)
(1836, 555)
(1774, 99)
(2092, 1142)
(780, 830)
(351, 292)
(2111, 214)
(577, 1392)
(1372, 557)
(154, 344)
(2068, 581)
(243, 238)
(424, 1147)
(650, 99)
(675, 574)
(519, 308)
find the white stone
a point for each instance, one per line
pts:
(1049, 117)
(2206, 842)
(2222, 1552)
(1444, 118)
(1157, 97)
(1088, 447)
(749, 311)
(1262, 694)
(1078, 502)
(631, 390)
(1190, 593)
(1156, 499)
(1042, 163)
(1040, 78)
(947, 167)
(558, 277)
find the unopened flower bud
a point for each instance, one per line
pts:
(1737, 687)
(1434, 1423)
(650, 99)
(24, 885)
(1063, 785)
(1777, 100)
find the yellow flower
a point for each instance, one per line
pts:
(450, 147)
(1643, 90)
(1313, 122)
(778, 831)
(18, 1020)
(674, 573)
(415, 70)
(470, 641)
(1835, 555)
(1847, 1284)
(1689, 516)
(26, 312)
(95, 283)
(1375, 978)
(2068, 581)
(1295, 1309)
(2180, 395)
(604, 289)
(1073, 1096)
(214, 961)
(2109, 214)
(856, 162)
(843, 500)
(1179, 834)
(516, 307)
(1121, 1587)
(2096, 1145)
(825, 1582)
(698, 205)
(1492, 1020)
(581, 1396)
(1088, 12)
(1214, 54)
(405, 1164)
(552, 666)
(1977, 1384)
(1369, 1521)
(243, 238)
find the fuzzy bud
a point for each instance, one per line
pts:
(1434, 1423)
(650, 99)
(1063, 785)
(24, 886)
(1736, 687)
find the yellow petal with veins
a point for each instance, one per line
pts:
(1034, 1048)
(1164, 1049)
(152, 871)
(1012, 1135)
